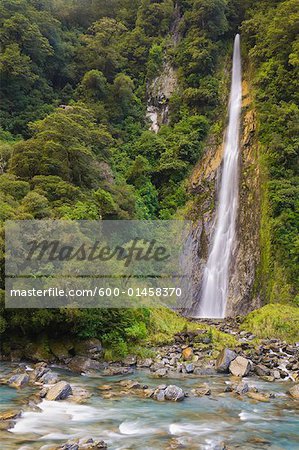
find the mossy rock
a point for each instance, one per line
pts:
(38, 351)
(61, 349)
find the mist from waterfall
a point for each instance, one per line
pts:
(216, 273)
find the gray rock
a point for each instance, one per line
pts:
(49, 378)
(146, 363)
(43, 392)
(225, 357)
(79, 395)
(60, 350)
(258, 396)
(81, 364)
(160, 396)
(11, 414)
(240, 367)
(161, 373)
(242, 388)
(90, 443)
(157, 366)
(130, 360)
(189, 368)
(202, 390)
(89, 347)
(39, 373)
(19, 381)
(262, 370)
(294, 391)
(130, 384)
(174, 393)
(113, 371)
(276, 374)
(59, 391)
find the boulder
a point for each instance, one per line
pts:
(269, 378)
(130, 360)
(43, 392)
(294, 391)
(111, 371)
(202, 390)
(9, 415)
(241, 388)
(37, 374)
(90, 347)
(157, 365)
(258, 396)
(148, 393)
(19, 380)
(240, 367)
(38, 351)
(146, 363)
(174, 393)
(82, 444)
(187, 354)
(81, 364)
(130, 384)
(59, 391)
(160, 373)
(225, 357)
(49, 378)
(262, 370)
(60, 350)
(160, 396)
(276, 374)
(79, 395)
(189, 368)
(105, 387)
(88, 444)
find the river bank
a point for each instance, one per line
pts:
(188, 394)
(128, 411)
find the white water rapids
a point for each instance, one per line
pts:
(216, 273)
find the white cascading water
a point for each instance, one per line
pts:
(216, 273)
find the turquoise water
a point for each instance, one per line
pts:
(133, 422)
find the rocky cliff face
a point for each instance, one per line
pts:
(159, 92)
(242, 297)
(161, 88)
(204, 186)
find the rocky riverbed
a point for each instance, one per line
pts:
(187, 395)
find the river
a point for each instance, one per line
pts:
(131, 421)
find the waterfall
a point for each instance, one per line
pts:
(216, 273)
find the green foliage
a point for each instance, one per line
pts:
(155, 16)
(35, 205)
(66, 144)
(101, 49)
(10, 185)
(272, 320)
(271, 34)
(93, 156)
(164, 324)
(155, 61)
(80, 211)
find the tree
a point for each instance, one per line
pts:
(94, 85)
(66, 144)
(101, 47)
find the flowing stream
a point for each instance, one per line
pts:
(131, 421)
(216, 273)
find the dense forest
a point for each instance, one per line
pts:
(75, 140)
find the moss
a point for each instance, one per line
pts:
(164, 324)
(274, 321)
(272, 279)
